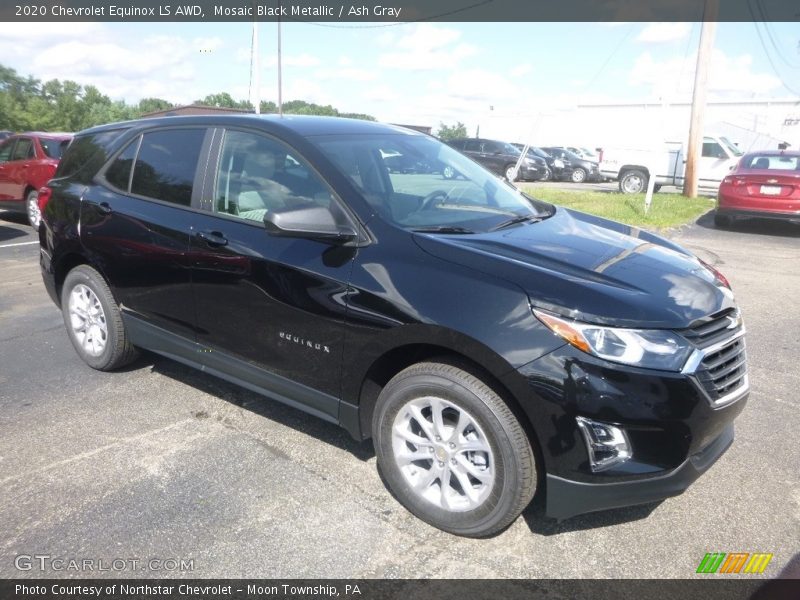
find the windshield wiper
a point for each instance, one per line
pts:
(443, 229)
(515, 220)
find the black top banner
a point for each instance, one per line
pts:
(402, 11)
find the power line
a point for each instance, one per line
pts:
(765, 18)
(766, 52)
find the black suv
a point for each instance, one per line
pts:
(500, 158)
(492, 345)
(581, 169)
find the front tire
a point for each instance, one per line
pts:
(452, 451)
(578, 175)
(32, 209)
(93, 320)
(510, 174)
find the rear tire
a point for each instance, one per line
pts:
(722, 221)
(633, 182)
(452, 451)
(94, 322)
(448, 172)
(32, 209)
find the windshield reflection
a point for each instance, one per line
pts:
(419, 183)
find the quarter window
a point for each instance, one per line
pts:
(166, 165)
(119, 173)
(257, 175)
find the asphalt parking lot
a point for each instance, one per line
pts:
(162, 462)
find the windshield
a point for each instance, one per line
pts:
(734, 149)
(539, 152)
(417, 182)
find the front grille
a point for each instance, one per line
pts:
(722, 371)
(713, 329)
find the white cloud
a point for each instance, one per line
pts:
(347, 73)
(427, 47)
(728, 75)
(298, 60)
(520, 70)
(664, 32)
(381, 93)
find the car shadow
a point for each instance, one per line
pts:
(262, 406)
(13, 217)
(749, 226)
(10, 233)
(541, 524)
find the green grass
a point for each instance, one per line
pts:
(666, 210)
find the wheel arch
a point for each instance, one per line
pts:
(492, 371)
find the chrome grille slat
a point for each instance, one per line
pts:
(719, 362)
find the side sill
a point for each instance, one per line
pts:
(232, 369)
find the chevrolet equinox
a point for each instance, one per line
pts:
(490, 344)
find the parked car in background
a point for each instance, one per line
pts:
(632, 166)
(764, 184)
(582, 169)
(498, 157)
(4, 134)
(27, 162)
(557, 169)
(583, 152)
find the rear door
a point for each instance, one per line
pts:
(273, 303)
(15, 171)
(137, 226)
(6, 167)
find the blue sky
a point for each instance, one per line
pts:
(412, 73)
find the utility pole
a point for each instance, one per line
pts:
(256, 71)
(707, 32)
(280, 74)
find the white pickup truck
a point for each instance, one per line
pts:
(632, 166)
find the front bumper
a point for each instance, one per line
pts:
(675, 428)
(566, 498)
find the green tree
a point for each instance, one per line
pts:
(148, 105)
(451, 132)
(223, 100)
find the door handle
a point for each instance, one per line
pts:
(213, 238)
(104, 208)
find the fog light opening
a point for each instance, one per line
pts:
(606, 444)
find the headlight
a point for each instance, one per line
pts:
(646, 348)
(528, 162)
(558, 163)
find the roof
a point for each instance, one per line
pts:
(302, 125)
(47, 134)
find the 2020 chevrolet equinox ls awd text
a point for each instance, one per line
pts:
(490, 344)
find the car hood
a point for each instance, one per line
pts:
(593, 270)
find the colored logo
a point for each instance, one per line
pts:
(734, 562)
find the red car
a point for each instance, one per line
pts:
(764, 184)
(27, 162)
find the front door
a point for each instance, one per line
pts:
(273, 303)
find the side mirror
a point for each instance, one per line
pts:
(315, 222)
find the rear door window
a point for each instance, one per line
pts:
(166, 165)
(5, 150)
(23, 150)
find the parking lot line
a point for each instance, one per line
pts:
(18, 244)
